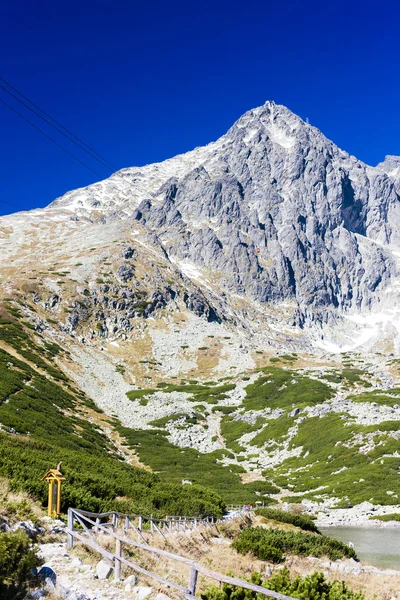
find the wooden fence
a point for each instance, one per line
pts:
(91, 524)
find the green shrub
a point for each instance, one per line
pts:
(263, 542)
(174, 464)
(391, 517)
(328, 446)
(302, 521)
(17, 559)
(232, 429)
(310, 587)
(226, 410)
(212, 394)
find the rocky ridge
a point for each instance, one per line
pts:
(272, 225)
(273, 210)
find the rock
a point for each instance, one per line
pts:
(103, 570)
(220, 541)
(76, 562)
(162, 597)
(36, 594)
(130, 582)
(128, 252)
(294, 412)
(29, 527)
(125, 273)
(141, 593)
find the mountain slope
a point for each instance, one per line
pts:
(177, 288)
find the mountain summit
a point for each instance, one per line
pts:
(273, 208)
(272, 216)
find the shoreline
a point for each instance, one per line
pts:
(360, 515)
(373, 523)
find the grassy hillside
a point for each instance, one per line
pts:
(44, 419)
(259, 415)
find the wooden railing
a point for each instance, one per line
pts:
(91, 524)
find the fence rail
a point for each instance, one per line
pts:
(91, 524)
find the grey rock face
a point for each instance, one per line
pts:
(273, 208)
(125, 273)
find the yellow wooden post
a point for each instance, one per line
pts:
(58, 497)
(50, 507)
(54, 478)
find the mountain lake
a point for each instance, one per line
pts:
(377, 546)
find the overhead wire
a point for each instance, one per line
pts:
(56, 128)
(80, 145)
(10, 204)
(47, 136)
(55, 121)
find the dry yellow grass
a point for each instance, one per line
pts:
(12, 504)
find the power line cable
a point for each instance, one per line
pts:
(11, 204)
(57, 122)
(49, 137)
(56, 128)
(116, 174)
(128, 183)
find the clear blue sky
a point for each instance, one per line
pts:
(143, 81)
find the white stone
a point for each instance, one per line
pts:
(103, 570)
(142, 592)
(76, 562)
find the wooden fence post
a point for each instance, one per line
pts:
(193, 581)
(70, 537)
(115, 520)
(117, 561)
(140, 523)
(96, 529)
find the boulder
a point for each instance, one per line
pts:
(76, 562)
(103, 570)
(36, 594)
(125, 273)
(130, 582)
(128, 252)
(140, 593)
(30, 528)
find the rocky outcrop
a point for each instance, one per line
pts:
(273, 208)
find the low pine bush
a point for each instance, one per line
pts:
(301, 521)
(273, 544)
(311, 587)
(17, 559)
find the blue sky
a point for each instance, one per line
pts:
(141, 82)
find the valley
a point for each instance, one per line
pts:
(220, 328)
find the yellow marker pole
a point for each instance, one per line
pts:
(50, 507)
(58, 498)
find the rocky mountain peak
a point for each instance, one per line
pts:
(271, 214)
